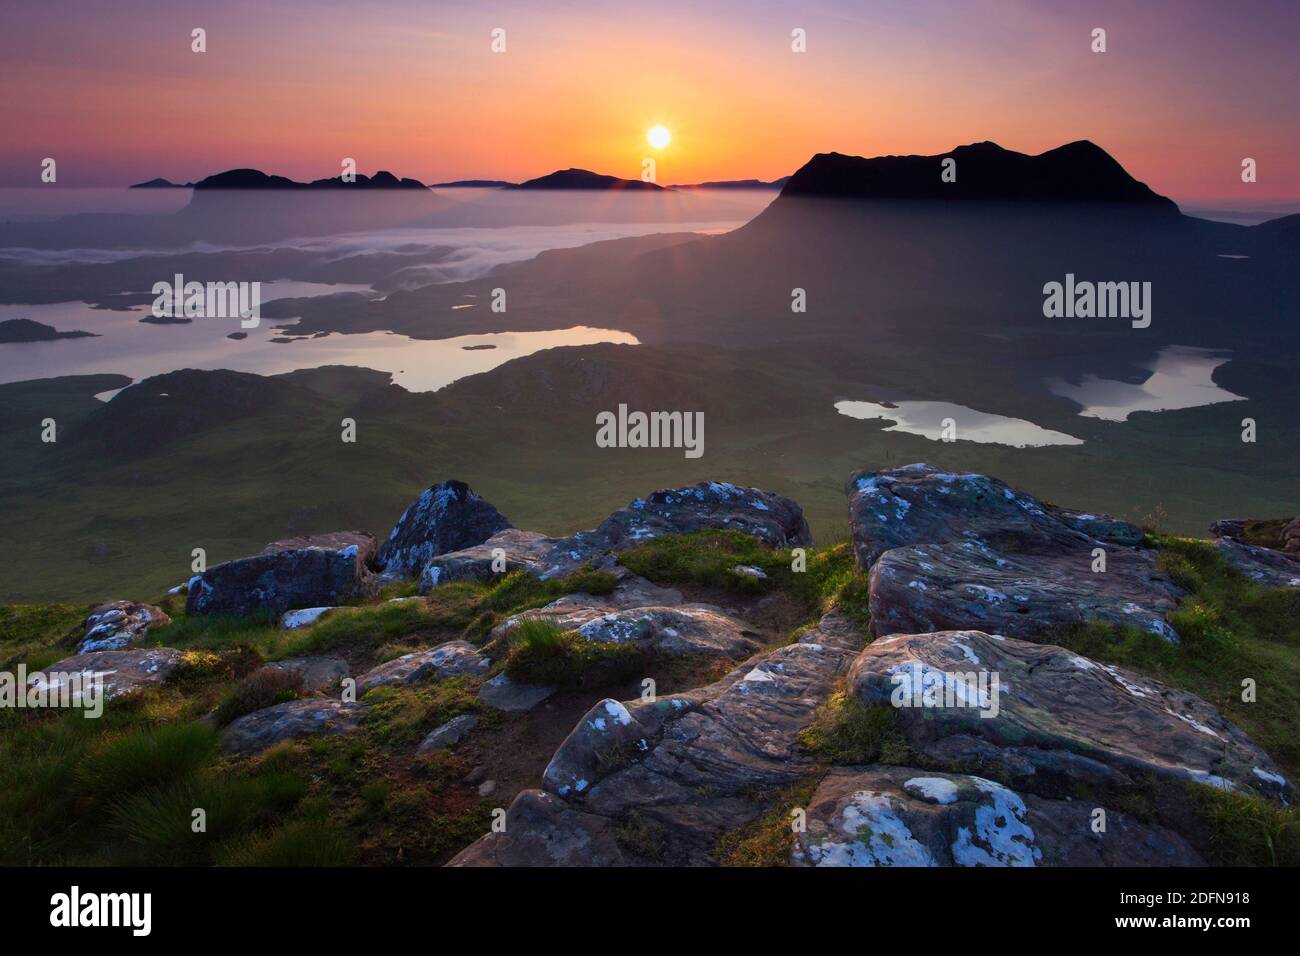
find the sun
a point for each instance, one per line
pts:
(658, 136)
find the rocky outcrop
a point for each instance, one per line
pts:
(446, 517)
(504, 553)
(1267, 552)
(453, 659)
(295, 718)
(649, 761)
(115, 625)
(305, 572)
(1049, 719)
(952, 550)
(772, 518)
(940, 587)
(673, 631)
(900, 816)
(1264, 566)
(122, 671)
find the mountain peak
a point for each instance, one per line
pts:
(1080, 171)
(575, 178)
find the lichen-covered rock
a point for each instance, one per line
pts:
(506, 552)
(937, 587)
(446, 517)
(310, 571)
(774, 519)
(921, 504)
(675, 631)
(1050, 719)
(900, 816)
(122, 671)
(650, 760)
(542, 830)
(453, 659)
(295, 718)
(117, 624)
(317, 672)
(453, 731)
(303, 617)
(1265, 566)
(958, 550)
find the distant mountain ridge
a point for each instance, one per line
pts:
(735, 184)
(1076, 172)
(574, 178)
(160, 183)
(473, 184)
(256, 179)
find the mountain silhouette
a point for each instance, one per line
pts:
(735, 184)
(1076, 172)
(472, 184)
(160, 183)
(256, 179)
(583, 179)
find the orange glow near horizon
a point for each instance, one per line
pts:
(420, 93)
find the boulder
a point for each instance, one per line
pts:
(1049, 719)
(295, 718)
(453, 659)
(122, 671)
(774, 519)
(921, 504)
(969, 585)
(446, 517)
(650, 761)
(117, 624)
(317, 672)
(900, 816)
(694, 629)
(453, 731)
(952, 550)
(306, 572)
(505, 694)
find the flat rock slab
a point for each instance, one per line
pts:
(303, 617)
(687, 629)
(505, 694)
(122, 671)
(446, 517)
(921, 504)
(453, 731)
(1050, 718)
(734, 740)
(1264, 566)
(317, 672)
(453, 659)
(307, 572)
(631, 591)
(296, 718)
(937, 587)
(117, 624)
(900, 816)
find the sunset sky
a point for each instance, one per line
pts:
(112, 91)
